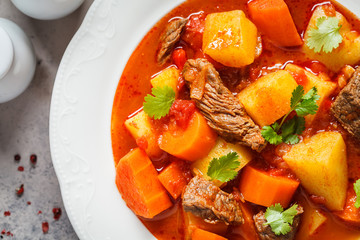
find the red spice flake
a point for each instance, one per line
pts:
(7, 213)
(20, 168)
(57, 213)
(17, 157)
(20, 190)
(33, 159)
(28, 203)
(45, 227)
(39, 212)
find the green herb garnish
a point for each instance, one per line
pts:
(303, 105)
(279, 220)
(326, 36)
(159, 103)
(224, 168)
(357, 191)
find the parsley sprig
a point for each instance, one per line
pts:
(224, 168)
(357, 191)
(159, 103)
(303, 104)
(279, 220)
(326, 36)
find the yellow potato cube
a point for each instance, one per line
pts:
(316, 221)
(140, 127)
(320, 164)
(348, 51)
(312, 220)
(268, 99)
(324, 87)
(230, 38)
(167, 77)
(220, 149)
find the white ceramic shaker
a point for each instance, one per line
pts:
(17, 60)
(47, 9)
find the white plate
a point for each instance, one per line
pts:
(81, 113)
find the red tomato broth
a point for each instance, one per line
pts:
(134, 84)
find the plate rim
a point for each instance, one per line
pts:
(83, 29)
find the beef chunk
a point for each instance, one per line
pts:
(265, 232)
(204, 199)
(169, 38)
(346, 107)
(223, 111)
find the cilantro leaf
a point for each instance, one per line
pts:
(159, 103)
(302, 104)
(357, 191)
(326, 36)
(279, 220)
(270, 134)
(297, 95)
(224, 168)
(291, 128)
(308, 105)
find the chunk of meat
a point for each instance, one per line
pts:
(203, 199)
(265, 232)
(168, 39)
(346, 107)
(223, 111)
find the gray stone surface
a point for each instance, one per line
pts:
(24, 130)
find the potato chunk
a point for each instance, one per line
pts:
(348, 51)
(317, 220)
(230, 38)
(220, 149)
(167, 77)
(324, 87)
(268, 99)
(320, 164)
(140, 127)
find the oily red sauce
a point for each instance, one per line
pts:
(135, 84)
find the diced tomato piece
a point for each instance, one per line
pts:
(300, 77)
(181, 111)
(179, 57)
(194, 30)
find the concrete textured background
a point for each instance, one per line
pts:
(24, 130)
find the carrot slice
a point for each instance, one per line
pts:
(273, 18)
(173, 179)
(263, 189)
(191, 144)
(199, 234)
(138, 183)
